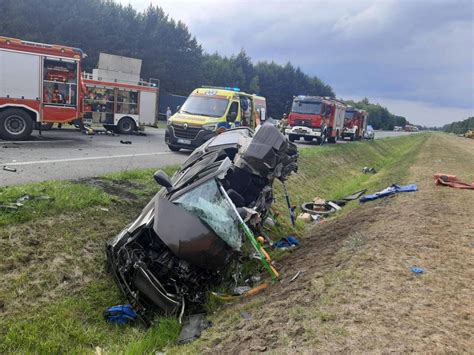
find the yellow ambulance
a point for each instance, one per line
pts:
(209, 111)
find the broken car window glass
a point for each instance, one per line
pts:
(207, 203)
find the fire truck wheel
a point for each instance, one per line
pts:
(15, 124)
(126, 126)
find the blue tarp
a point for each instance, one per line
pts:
(389, 191)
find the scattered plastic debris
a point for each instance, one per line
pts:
(354, 196)
(241, 290)
(20, 201)
(334, 205)
(104, 209)
(286, 242)
(368, 170)
(252, 292)
(6, 168)
(305, 217)
(296, 276)
(246, 315)
(120, 314)
(417, 270)
(125, 142)
(389, 191)
(193, 326)
(452, 181)
(9, 206)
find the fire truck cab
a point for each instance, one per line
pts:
(314, 117)
(355, 123)
(39, 83)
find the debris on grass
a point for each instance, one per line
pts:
(368, 170)
(120, 314)
(391, 190)
(246, 315)
(193, 326)
(417, 270)
(286, 242)
(296, 275)
(452, 181)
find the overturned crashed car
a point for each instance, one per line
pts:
(188, 234)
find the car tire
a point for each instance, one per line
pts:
(125, 126)
(174, 148)
(15, 124)
(291, 137)
(308, 139)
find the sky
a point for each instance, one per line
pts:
(416, 57)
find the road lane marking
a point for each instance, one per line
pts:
(86, 158)
(35, 142)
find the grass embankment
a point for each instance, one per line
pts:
(54, 286)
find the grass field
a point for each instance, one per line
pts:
(54, 286)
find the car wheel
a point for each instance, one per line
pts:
(174, 148)
(308, 139)
(15, 124)
(291, 137)
(126, 126)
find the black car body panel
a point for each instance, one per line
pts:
(187, 235)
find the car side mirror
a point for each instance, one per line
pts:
(232, 116)
(162, 179)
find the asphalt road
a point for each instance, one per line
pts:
(68, 154)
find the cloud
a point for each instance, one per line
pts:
(420, 51)
(420, 113)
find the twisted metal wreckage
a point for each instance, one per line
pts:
(192, 230)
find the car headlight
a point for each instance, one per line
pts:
(209, 127)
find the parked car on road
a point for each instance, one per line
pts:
(369, 132)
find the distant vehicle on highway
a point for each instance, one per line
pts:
(411, 128)
(397, 128)
(369, 132)
(355, 122)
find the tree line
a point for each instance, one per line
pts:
(459, 127)
(379, 116)
(168, 50)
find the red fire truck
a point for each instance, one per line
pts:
(355, 123)
(315, 117)
(116, 97)
(38, 83)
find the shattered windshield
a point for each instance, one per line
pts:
(207, 203)
(205, 106)
(306, 107)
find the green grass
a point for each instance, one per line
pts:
(46, 242)
(61, 196)
(75, 324)
(335, 171)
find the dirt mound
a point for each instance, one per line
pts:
(356, 291)
(119, 188)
